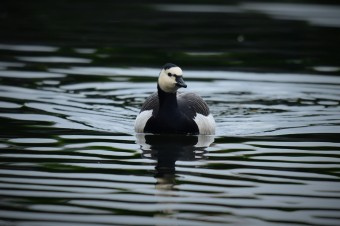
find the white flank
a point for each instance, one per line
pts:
(141, 120)
(206, 124)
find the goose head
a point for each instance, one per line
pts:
(171, 78)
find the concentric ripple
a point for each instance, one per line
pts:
(70, 156)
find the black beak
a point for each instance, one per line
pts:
(180, 82)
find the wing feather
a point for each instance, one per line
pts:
(151, 103)
(191, 104)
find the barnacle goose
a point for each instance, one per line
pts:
(169, 112)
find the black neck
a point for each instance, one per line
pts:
(167, 100)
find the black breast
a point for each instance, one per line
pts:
(175, 115)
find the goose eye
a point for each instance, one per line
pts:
(169, 74)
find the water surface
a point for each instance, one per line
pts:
(69, 155)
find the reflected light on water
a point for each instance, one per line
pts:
(275, 156)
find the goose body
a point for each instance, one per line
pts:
(169, 112)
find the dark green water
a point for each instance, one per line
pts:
(74, 75)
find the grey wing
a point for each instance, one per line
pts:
(191, 103)
(151, 103)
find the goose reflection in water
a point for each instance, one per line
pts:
(167, 149)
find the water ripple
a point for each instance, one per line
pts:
(274, 160)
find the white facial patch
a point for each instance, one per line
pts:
(168, 83)
(141, 120)
(175, 71)
(206, 124)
